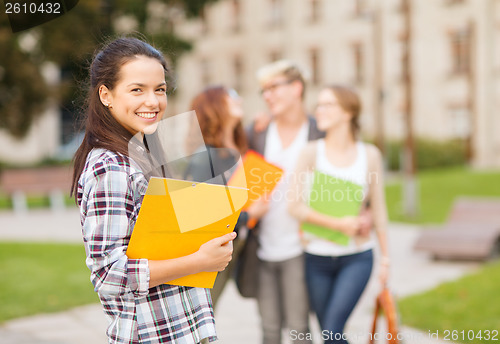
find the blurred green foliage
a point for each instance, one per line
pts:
(430, 154)
(22, 88)
(70, 41)
(438, 189)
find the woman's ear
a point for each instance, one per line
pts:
(348, 117)
(105, 96)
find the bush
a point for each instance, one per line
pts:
(430, 154)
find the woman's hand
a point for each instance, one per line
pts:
(258, 208)
(366, 224)
(384, 271)
(349, 225)
(217, 253)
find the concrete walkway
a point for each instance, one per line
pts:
(237, 318)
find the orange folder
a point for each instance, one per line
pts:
(261, 176)
(178, 216)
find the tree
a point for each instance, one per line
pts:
(22, 88)
(70, 41)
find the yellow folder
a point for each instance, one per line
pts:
(260, 176)
(178, 216)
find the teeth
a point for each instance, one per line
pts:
(147, 115)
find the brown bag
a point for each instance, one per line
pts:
(385, 303)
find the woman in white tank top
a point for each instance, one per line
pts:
(334, 180)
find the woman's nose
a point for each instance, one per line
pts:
(152, 99)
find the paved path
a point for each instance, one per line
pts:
(237, 318)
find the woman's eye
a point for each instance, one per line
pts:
(136, 90)
(162, 90)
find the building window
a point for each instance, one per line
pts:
(276, 13)
(400, 6)
(314, 11)
(359, 70)
(315, 66)
(236, 15)
(460, 51)
(453, 2)
(205, 28)
(459, 118)
(238, 73)
(275, 55)
(496, 49)
(205, 72)
(401, 68)
(359, 8)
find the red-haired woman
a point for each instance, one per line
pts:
(219, 112)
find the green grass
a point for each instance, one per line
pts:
(438, 189)
(39, 278)
(470, 303)
(34, 202)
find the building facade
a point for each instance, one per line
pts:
(453, 61)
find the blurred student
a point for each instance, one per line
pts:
(219, 112)
(337, 273)
(282, 294)
(127, 94)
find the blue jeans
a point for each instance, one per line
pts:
(335, 285)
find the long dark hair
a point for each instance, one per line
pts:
(101, 128)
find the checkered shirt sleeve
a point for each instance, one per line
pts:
(110, 193)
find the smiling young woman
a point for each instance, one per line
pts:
(127, 94)
(139, 98)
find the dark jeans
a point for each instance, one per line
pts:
(335, 285)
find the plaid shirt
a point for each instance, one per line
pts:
(110, 192)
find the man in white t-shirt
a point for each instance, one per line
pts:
(282, 294)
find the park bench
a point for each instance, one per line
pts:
(53, 182)
(472, 231)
